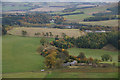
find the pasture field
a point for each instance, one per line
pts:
(19, 54)
(82, 72)
(31, 31)
(83, 75)
(77, 18)
(8, 8)
(113, 23)
(95, 53)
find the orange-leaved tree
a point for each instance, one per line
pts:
(50, 60)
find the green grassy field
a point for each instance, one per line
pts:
(77, 18)
(25, 75)
(7, 8)
(19, 54)
(95, 53)
(84, 73)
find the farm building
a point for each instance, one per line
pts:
(70, 63)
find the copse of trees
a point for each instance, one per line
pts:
(37, 18)
(34, 18)
(86, 26)
(114, 38)
(92, 40)
(58, 19)
(98, 40)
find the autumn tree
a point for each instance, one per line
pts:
(43, 41)
(50, 60)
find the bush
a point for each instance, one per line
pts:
(106, 57)
(37, 33)
(81, 55)
(59, 63)
(40, 49)
(24, 32)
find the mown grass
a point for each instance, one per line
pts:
(25, 75)
(95, 53)
(84, 73)
(19, 54)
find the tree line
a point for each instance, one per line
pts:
(101, 18)
(96, 40)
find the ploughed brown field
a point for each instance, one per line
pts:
(31, 31)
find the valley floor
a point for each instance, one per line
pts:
(20, 60)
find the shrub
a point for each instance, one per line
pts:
(59, 63)
(37, 33)
(106, 57)
(40, 49)
(24, 32)
(81, 55)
